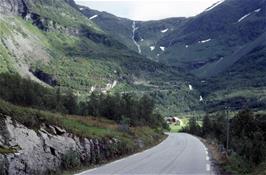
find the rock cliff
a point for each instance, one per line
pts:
(17, 7)
(50, 149)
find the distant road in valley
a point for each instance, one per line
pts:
(179, 154)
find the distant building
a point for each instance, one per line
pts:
(173, 120)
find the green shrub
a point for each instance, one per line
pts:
(237, 165)
(71, 160)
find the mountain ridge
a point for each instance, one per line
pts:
(68, 48)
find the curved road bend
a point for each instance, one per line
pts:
(179, 154)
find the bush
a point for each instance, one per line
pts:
(237, 165)
(25, 92)
(247, 138)
(71, 160)
(137, 111)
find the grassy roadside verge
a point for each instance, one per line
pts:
(177, 128)
(133, 140)
(85, 168)
(225, 165)
(90, 127)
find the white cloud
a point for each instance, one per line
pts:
(150, 9)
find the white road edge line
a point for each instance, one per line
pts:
(208, 167)
(207, 158)
(110, 163)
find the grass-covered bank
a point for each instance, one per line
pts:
(122, 123)
(178, 127)
(130, 140)
(85, 168)
(82, 126)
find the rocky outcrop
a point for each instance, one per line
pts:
(45, 77)
(17, 7)
(49, 149)
(22, 8)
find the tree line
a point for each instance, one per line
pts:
(122, 108)
(247, 137)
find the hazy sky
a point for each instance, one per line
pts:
(149, 9)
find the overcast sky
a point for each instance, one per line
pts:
(149, 9)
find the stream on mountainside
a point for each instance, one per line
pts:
(134, 28)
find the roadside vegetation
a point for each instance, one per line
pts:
(126, 117)
(83, 127)
(128, 109)
(176, 127)
(247, 139)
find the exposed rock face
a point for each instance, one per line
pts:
(17, 7)
(22, 8)
(45, 150)
(45, 77)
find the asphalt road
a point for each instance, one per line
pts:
(180, 154)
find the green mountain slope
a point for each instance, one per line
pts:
(146, 33)
(215, 34)
(53, 43)
(242, 85)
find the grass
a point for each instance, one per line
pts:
(89, 127)
(177, 128)
(83, 127)
(61, 12)
(260, 170)
(7, 150)
(78, 63)
(5, 60)
(148, 136)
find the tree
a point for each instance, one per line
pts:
(59, 104)
(206, 125)
(193, 126)
(70, 103)
(93, 105)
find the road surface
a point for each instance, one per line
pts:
(179, 154)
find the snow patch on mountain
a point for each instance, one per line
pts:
(201, 98)
(165, 30)
(92, 17)
(162, 48)
(257, 11)
(243, 17)
(190, 87)
(92, 89)
(220, 60)
(187, 46)
(152, 48)
(214, 5)
(205, 41)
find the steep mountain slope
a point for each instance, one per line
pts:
(225, 47)
(140, 36)
(204, 44)
(242, 85)
(59, 43)
(215, 34)
(54, 43)
(226, 63)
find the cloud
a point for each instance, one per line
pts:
(150, 9)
